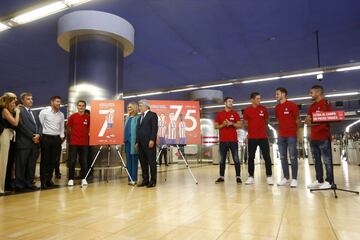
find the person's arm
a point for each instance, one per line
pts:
(154, 130)
(266, 112)
(218, 126)
(23, 128)
(14, 121)
(69, 127)
(62, 128)
(237, 123)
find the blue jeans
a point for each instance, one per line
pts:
(318, 149)
(284, 143)
(224, 148)
(132, 162)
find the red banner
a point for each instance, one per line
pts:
(107, 122)
(331, 116)
(179, 121)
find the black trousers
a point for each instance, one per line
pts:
(25, 165)
(9, 184)
(147, 157)
(263, 143)
(50, 152)
(163, 154)
(74, 152)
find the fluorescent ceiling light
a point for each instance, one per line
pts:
(40, 12)
(261, 80)
(72, 3)
(3, 27)
(184, 89)
(149, 94)
(241, 104)
(348, 69)
(268, 101)
(130, 96)
(299, 98)
(342, 94)
(217, 85)
(214, 106)
(302, 74)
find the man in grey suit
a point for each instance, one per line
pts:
(27, 145)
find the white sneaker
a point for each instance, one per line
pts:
(83, 182)
(70, 183)
(293, 183)
(249, 181)
(270, 180)
(314, 184)
(283, 182)
(325, 185)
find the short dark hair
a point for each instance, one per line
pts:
(318, 87)
(81, 101)
(227, 98)
(24, 95)
(53, 98)
(283, 90)
(254, 94)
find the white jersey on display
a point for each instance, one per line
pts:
(182, 132)
(172, 130)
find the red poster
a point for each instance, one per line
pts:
(333, 116)
(107, 122)
(179, 121)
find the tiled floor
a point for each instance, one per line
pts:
(179, 209)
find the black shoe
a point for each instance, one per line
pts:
(219, 180)
(238, 180)
(43, 186)
(143, 184)
(51, 185)
(166, 164)
(21, 190)
(33, 188)
(151, 185)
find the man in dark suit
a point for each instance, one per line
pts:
(146, 143)
(27, 145)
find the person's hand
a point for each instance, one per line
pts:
(225, 123)
(62, 139)
(308, 120)
(229, 123)
(151, 144)
(137, 146)
(17, 110)
(36, 138)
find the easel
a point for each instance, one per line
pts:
(182, 156)
(108, 162)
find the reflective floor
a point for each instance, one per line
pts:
(179, 209)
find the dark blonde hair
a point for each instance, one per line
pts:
(135, 107)
(6, 99)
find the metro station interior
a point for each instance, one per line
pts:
(186, 50)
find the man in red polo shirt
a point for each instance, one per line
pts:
(78, 130)
(287, 114)
(256, 119)
(227, 121)
(320, 139)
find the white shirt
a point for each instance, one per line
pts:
(143, 116)
(52, 122)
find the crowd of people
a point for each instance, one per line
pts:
(25, 134)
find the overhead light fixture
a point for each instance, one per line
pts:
(348, 69)
(3, 27)
(269, 101)
(72, 3)
(214, 106)
(130, 96)
(241, 104)
(342, 94)
(40, 12)
(217, 85)
(261, 80)
(299, 98)
(149, 94)
(302, 74)
(347, 129)
(183, 89)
